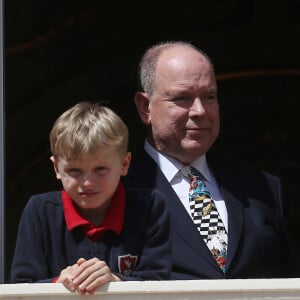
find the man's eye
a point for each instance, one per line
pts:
(180, 98)
(211, 97)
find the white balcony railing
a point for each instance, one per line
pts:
(230, 289)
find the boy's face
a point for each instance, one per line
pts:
(92, 179)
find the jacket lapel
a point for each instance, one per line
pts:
(228, 183)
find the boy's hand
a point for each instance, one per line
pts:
(87, 275)
(66, 277)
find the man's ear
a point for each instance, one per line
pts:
(142, 102)
(54, 162)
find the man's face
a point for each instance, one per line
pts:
(184, 109)
(92, 179)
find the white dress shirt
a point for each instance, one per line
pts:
(180, 183)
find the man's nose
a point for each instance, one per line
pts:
(197, 106)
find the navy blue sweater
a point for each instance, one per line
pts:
(45, 246)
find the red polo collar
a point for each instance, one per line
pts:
(113, 220)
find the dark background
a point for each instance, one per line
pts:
(60, 52)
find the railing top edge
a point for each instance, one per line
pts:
(182, 286)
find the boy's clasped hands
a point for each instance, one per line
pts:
(86, 275)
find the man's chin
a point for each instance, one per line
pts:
(194, 147)
(188, 154)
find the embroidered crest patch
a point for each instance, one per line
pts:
(127, 263)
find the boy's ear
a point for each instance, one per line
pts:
(142, 102)
(126, 164)
(54, 162)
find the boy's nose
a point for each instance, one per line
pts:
(87, 179)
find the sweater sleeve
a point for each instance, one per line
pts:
(29, 261)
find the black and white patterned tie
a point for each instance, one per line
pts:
(206, 217)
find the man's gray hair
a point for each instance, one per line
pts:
(148, 63)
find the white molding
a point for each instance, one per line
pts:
(233, 289)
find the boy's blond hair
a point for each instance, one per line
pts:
(84, 128)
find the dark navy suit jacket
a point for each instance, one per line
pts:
(259, 245)
(45, 246)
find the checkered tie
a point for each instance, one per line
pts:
(206, 217)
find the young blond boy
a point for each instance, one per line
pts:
(95, 230)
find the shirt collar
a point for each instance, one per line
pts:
(170, 167)
(113, 220)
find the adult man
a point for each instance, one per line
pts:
(179, 106)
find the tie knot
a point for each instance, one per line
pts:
(190, 171)
(197, 184)
(195, 172)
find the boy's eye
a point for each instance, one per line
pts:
(73, 171)
(101, 170)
